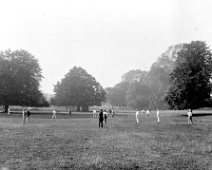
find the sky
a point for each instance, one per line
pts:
(107, 38)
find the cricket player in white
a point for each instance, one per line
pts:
(54, 114)
(23, 116)
(147, 113)
(157, 113)
(190, 117)
(137, 116)
(8, 111)
(94, 113)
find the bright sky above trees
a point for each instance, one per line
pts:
(106, 38)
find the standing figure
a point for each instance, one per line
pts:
(143, 112)
(137, 115)
(113, 113)
(8, 110)
(157, 113)
(27, 114)
(23, 116)
(110, 113)
(69, 111)
(147, 112)
(94, 112)
(105, 116)
(190, 116)
(101, 118)
(54, 114)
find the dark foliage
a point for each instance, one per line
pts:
(190, 79)
(80, 89)
(20, 76)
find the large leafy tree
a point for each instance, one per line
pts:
(158, 81)
(190, 78)
(134, 75)
(117, 95)
(80, 89)
(20, 76)
(138, 95)
(159, 75)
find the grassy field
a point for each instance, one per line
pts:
(76, 142)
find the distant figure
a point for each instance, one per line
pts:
(94, 112)
(143, 111)
(137, 116)
(23, 116)
(69, 111)
(101, 118)
(113, 113)
(8, 111)
(54, 114)
(157, 113)
(190, 116)
(147, 112)
(105, 116)
(110, 113)
(28, 113)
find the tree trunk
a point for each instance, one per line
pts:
(85, 108)
(78, 108)
(6, 108)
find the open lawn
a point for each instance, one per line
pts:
(76, 142)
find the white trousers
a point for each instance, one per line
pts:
(158, 118)
(137, 119)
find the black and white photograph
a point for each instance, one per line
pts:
(106, 85)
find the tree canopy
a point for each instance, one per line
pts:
(117, 94)
(190, 78)
(133, 75)
(155, 82)
(138, 95)
(20, 76)
(80, 89)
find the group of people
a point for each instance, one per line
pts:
(26, 114)
(111, 113)
(190, 121)
(102, 115)
(147, 112)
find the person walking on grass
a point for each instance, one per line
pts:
(23, 116)
(137, 116)
(94, 112)
(190, 117)
(157, 114)
(105, 116)
(54, 114)
(147, 113)
(101, 118)
(113, 113)
(8, 111)
(110, 112)
(28, 113)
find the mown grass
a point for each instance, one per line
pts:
(77, 143)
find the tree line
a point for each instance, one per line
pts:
(20, 76)
(179, 79)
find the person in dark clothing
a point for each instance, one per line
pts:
(101, 118)
(25, 115)
(28, 113)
